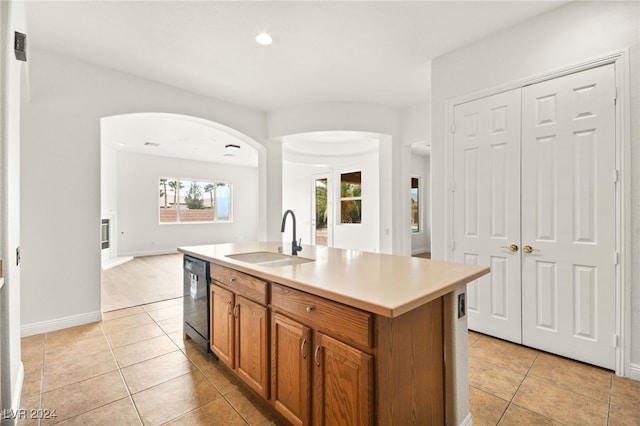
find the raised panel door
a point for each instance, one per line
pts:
(222, 324)
(487, 209)
(291, 349)
(568, 216)
(252, 358)
(343, 384)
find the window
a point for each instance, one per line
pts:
(189, 201)
(415, 204)
(351, 197)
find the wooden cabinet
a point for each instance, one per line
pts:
(222, 324)
(240, 326)
(342, 385)
(291, 369)
(252, 346)
(320, 362)
(342, 375)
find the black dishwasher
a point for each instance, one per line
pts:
(196, 301)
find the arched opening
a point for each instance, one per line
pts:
(170, 180)
(332, 180)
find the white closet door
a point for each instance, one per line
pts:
(568, 216)
(487, 209)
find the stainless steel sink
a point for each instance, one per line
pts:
(267, 258)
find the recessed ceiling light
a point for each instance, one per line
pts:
(264, 39)
(231, 147)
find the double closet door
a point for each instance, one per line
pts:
(535, 200)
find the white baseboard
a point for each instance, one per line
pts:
(149, 253)
(633, 372)
(419, 251)
(467, 421)
(10, 418)
(60, 323)
(112, 263)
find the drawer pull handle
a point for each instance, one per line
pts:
(302, 351)
(315, 355)
(228, 307)
(235, 311)
(309, 309)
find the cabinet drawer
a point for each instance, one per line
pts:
(241, 283)
(335, 319)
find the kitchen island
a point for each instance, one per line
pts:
(334, 336)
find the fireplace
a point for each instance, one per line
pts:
(106, 233)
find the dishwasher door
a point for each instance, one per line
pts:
(196, 301)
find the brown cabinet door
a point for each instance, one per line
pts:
(291, 352)
(252, 359)
(343, 383)
(222, 324)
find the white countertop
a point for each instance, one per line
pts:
(383, 284)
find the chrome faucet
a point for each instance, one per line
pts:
(295, 246)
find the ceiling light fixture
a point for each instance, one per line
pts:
(264, 39)
(231, 147)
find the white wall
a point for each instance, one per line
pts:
(12, 73)
(570, 35)
(421, 167)
(139, 232)
(61, 149)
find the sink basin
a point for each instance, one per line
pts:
(267, 258)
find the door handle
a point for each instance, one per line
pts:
(512, 248)
(302, 351)
(315, 356)
(529, 249)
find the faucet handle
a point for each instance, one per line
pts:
(299, 248)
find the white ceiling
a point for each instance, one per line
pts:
(360, 51)
(176, 136)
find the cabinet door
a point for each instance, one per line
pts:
(343, 384)
(252, 345)
(290, 369)
(222, 324)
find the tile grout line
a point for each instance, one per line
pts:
(126, 385)
(518, 388)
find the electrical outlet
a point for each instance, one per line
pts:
(462, 306)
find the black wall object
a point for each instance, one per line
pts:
(20, 46)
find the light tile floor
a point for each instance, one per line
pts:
(515, 385)
(133, 368)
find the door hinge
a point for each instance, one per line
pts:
(453, 187)
(453, 245)
(616, 176)
(616, 340)
(453, 128)
(616, 258)
(615, 95)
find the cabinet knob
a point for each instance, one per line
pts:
(231, 280)
(309, 309)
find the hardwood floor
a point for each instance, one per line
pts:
(143, 280)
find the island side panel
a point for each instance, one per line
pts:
(410, 367)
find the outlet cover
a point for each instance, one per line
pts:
(462, 305)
